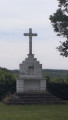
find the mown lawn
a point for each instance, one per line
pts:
(33, 112)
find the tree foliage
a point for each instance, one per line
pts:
(59, 22)
(57, 76)
(7, 82)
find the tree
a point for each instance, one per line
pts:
(7, 82)
(59, 22)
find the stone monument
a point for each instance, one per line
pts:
(30, 73)
(30, 86)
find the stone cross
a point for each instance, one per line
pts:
(30, 34)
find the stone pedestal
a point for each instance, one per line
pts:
(30, 76)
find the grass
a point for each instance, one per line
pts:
(33, 112)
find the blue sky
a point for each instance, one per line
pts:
(16, 17)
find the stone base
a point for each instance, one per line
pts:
(30, 85)
(27, 98)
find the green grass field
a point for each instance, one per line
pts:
(33, 112)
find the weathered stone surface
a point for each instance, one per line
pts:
(30, 77)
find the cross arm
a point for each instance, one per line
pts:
(35, 34)
(26, 34)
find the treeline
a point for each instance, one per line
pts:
(58, 76)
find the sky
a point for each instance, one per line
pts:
(16, 17)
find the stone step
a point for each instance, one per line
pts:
(35, 98)
(34, 102)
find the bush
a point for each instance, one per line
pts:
(59, 89)
(7, 84)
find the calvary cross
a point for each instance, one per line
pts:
(30, 34)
